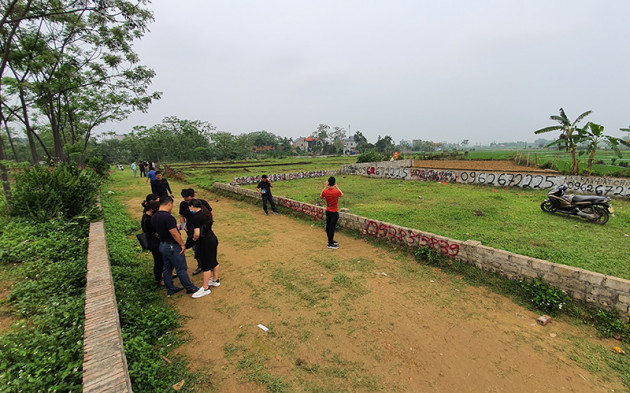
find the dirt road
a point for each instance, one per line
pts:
(364, 318)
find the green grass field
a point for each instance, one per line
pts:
(504, 218)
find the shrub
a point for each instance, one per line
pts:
(99, 166)
(624, 164)
(612, 161)
(548, 165)
(545, 297)
(43, 352)
(600, 162)
(428, 255)
(41, 194)
(370, 156)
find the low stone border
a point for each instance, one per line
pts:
(104, 361)
(608, 292)
(404, 170)
(283, 176)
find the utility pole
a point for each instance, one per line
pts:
(349, 131)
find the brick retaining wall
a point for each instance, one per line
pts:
(404, 170)
(608, 292)
(104, 361)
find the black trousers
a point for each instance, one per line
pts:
(331, 223)
(265, 198)
(158, 264)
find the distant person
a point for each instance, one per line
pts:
(185, 215)
(150, 175)
(206, 243)
(331, 193)
(172, 248)
(160, 186)
(134, 168)
(122, 168)
(143, 168)
(264, 189)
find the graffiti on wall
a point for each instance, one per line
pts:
(317, 212)
(282, 176)
(579, 184)
(410, 237)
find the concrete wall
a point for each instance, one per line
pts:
(608, 292)
(404, 170)
(283, 176)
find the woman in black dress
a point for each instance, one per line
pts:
(150, 207)
(207, 243)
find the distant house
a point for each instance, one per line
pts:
(305, 143)
(349, 146)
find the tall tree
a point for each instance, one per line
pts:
(593, 135)
(73, 63)
(568, 133)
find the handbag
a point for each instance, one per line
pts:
(143, 239)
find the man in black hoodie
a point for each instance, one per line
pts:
(160, 186)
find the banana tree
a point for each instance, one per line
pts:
(593, 135)
(569, 134)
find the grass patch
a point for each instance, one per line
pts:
(505, 218)
(147, 321)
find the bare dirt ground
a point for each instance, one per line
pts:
(337, 323)
(479, 165)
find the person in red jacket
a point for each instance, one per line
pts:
(331, 193)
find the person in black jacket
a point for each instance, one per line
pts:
(150, 207)
(264, 189)
(206, 243)
(184, 219)
(160, 186)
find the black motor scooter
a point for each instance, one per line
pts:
(596, 209)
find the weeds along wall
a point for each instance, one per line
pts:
(404, 170)
(610, 293)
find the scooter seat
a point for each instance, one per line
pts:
(588, 198)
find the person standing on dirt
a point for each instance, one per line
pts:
(185, 215)
(264, 189)
(171, 247)
(206, 244)
(331, 193)
(152, 205)
(160, 186)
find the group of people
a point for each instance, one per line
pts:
(144, 166)
(196, 218)
(168, 247)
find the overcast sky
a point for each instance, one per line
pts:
(449, 70)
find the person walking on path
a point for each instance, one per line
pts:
(185, 215)
(206, 244)
(142, 167)
(264, 189)
(172, 248)
(150, 207)
(150, 175)
(331, 193)
(160, 186)
(134, 168)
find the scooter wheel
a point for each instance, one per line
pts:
(600, 213)
(548, 207)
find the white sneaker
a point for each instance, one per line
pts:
(201, 292)
(214, 283)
